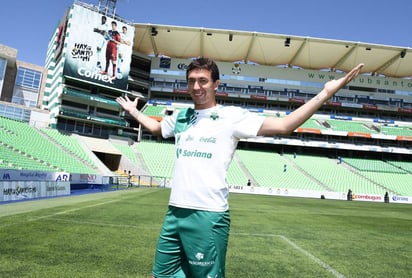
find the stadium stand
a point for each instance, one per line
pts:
(333, 176)
(53, 150)
(313, 123)
(342, 125)
(158, 156)
(39, 149)
(398, 130)
(128, 151)
(50, 149)
(267, 169)
(69, 144)
(235, 174)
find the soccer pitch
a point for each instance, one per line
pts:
(114, 234)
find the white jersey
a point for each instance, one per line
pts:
(205, 143)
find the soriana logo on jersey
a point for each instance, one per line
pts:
(192, 153)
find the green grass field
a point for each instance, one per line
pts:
(114, 234)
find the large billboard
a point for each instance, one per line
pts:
(99, 48)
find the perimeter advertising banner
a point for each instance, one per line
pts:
(99, 48)
(27, 175)
(23, 190)
(25, 184)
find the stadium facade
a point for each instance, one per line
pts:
(267, 73)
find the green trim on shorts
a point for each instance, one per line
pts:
(192, 243)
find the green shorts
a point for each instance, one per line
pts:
(192, 243)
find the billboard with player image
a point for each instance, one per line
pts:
(99, 48)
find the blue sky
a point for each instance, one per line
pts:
(28, 25)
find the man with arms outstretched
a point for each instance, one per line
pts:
(193, 240)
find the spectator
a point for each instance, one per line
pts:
(129, 179)
(350, 196)
(386, 197)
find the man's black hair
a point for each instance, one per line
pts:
(204, 63)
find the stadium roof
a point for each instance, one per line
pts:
(272, 49)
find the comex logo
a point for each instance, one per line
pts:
(97, 76)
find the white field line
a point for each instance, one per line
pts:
(92, 223)
(31, 205)
(300, 249)
(80, 208)
(71, 210)
(54, 214)
(53, 203)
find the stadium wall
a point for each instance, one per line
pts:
(18, 185)
(22, 190)
(269, 76)
(316, 194)
(21, 185)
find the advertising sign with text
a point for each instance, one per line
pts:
(99, 48)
